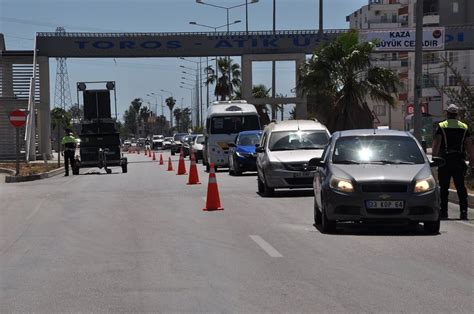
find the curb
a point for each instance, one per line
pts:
(33, 177)
(8, 171)
(453, 197)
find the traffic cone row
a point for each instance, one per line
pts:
(213, 202)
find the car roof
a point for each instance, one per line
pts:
(295, 125)
(373, 132)
(251, 132)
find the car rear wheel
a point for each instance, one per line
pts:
(431, 227)
(327, 226)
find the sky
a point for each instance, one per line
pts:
(137, 77)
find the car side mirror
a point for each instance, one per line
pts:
(437, 162)
(259, 149)
(315, 163)
(230, 144)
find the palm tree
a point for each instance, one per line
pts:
(225, 86)
(170, 102)
(261, 91)
(145, 114)
(340, 78)
(177, 115)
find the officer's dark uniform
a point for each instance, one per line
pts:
(453, 133)
(69, 143)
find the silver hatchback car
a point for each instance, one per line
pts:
(284, 152)
(375, 175)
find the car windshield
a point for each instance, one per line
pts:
(249, 139)
(168, 139)
(179, 136)
(201, 139)
(377, 150)
(293, 140)
(234, 124)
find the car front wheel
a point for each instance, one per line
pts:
(327, 226)
(431, 227)
(317, 214)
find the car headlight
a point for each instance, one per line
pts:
(243, 155)
(425, 185)
(342, 185)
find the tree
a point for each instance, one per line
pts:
(130, 120)
(170, 102)
(462, 95)
(261, 91)
(145, 115)
(177, 116)
(76, 112)
(340, 78)
(225, 86)
(186, 119)
(60, 118)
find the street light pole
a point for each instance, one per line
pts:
(418, 71)
(273, 62)
(321, 17)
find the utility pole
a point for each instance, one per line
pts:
(418, 71)
(321, 17)
(273, 62)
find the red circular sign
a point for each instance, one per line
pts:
(18, 118)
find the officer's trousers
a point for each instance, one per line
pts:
(68, 159)
(457, 170)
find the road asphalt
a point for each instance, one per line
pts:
(140, 242)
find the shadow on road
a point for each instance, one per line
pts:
(290, 194)
(371, 229)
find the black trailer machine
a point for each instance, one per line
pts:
(99, 137)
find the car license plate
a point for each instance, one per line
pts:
(304, 174)
(385, 204)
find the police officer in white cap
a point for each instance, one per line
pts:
(451, 142)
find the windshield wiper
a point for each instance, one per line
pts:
(312, 147)
(393, 162)
(347, 162)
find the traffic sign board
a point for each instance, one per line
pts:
(18, 118)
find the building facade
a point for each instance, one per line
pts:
(392, 14)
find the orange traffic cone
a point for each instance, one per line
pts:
(138, 152)
(181, 165)
(213, 201)
(161, 159)
(154, 157)
(149, 153)
(193, 173)
(170, 165)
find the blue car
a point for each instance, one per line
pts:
(242, 154)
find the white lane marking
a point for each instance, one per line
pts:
(266, 246)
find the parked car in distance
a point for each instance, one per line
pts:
(284, 152)
(167, 142)
(198, 146)
(157, 141)
(188, 141)
(242, 154)
(375, 175)
(176, 144)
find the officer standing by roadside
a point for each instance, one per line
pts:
(69, 147)
(451, 142)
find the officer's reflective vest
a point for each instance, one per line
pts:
(451, 129)
(69, 142)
